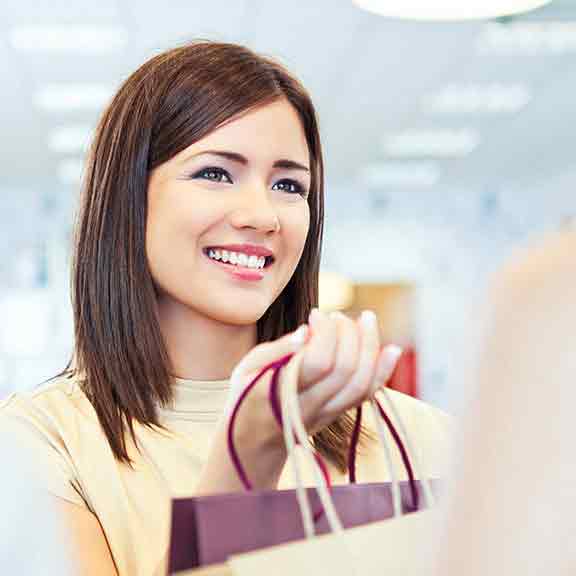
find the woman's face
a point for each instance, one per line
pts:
(239, 194)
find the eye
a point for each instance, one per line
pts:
(214, 174)
(290, 186)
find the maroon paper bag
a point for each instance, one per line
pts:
(208, 529)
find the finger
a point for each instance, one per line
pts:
(358, 387)
(320, 350)
(267, 352)
(387, 361)
(346, 361)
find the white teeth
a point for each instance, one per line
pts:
(238, 258)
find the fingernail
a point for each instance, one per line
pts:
(299, 336)
(394, 352)
(392, 355)
(368, 318)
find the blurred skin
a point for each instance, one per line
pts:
(514, 471)
(197, 200)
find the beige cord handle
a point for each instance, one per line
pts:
(292, 423)
(396, 496)
(411, 450)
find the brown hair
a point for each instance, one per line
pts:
(170, 102)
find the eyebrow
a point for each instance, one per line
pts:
(235, 157)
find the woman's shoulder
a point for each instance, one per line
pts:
(427, 427)
(46, 423)
(415, 412)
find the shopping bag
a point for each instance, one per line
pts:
(210, 529)
(402, 546)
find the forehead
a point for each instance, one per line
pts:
(265, 133)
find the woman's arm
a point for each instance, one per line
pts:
(264, 462)
(89, 552)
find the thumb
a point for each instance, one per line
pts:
(267, 352)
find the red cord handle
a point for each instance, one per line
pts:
(275, 406)
(398, 441)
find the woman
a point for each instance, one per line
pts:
(196, 260)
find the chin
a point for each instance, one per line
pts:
(238, 315)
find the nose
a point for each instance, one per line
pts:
(255, 211)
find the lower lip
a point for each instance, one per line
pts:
(240, 272)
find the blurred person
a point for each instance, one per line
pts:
(196, 258)
(512, 505)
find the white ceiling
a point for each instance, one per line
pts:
(367, 75)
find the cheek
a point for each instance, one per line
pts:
(296, 229)
(172, 230)
(175, 221)
(157, 246)
(161, 233)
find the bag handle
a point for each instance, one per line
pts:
(379, 415)
(354, 440)
(277, 411)
(410, 448)
(292, 420)
(233, 452)
(292, 425)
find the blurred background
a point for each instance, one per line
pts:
(447, 145)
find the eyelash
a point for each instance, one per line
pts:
(299, 189)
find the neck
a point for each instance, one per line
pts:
(202, 348)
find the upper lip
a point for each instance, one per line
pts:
(250, 249)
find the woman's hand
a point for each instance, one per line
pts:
(343, 364)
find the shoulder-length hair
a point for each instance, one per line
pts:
(170, 102)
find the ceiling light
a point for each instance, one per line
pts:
(448, 9)
(85, 39)
(400, 174)
(70, 170)
(493, 98)
(71, 138)
(73, 96)
(528, 37)
(430, 143)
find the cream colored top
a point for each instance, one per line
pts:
(57, 423)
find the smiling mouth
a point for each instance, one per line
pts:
(268, 261)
